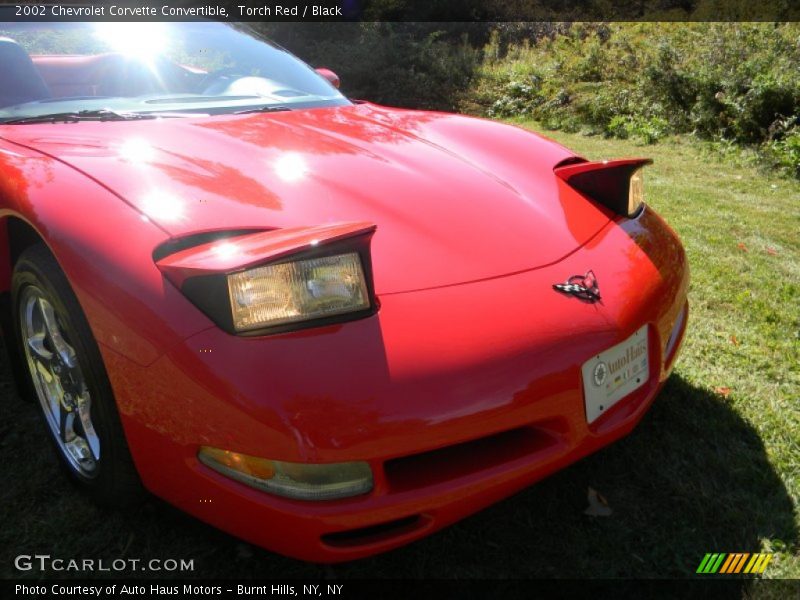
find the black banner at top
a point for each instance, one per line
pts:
(403, 10)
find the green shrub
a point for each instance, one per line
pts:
(785, 153)
(736, 82)
(518, 99)
(645, 130)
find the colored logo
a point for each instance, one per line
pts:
(737, 562)
(581, 286)
(600, 374)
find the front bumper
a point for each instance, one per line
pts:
(457, 396)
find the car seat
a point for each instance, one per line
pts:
(20, 81)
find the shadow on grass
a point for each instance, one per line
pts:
(692, 478)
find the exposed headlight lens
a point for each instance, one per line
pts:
(635, 192)
(293, 480)
(298, 291)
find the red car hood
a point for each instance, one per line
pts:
(454, 199)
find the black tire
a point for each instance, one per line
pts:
(114, 481)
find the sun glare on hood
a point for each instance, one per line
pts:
(291, 167)
(162, 207)
(137, 151)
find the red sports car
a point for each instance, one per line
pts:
(325, 326)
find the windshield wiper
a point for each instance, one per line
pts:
(262, 109)
(102, 114)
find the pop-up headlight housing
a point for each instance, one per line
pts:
(274, 281)
(616, 184)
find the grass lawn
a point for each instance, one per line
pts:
(714, 467)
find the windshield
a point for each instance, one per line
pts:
(199, 67)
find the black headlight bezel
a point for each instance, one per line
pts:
(209, 293)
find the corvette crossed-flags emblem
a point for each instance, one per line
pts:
(581, 286)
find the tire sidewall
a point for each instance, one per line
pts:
(38, 268)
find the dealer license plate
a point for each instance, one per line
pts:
(615, 373)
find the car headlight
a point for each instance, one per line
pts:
(636, 191)
(275, 281)
(299, 290)
(616, 184)
(300, 481)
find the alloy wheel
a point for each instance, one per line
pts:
(59, 382)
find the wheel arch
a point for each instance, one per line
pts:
(16, 235)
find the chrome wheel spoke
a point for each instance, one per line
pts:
(36, 345)
(54, 412)
(76, 445)
(64, 350)
(65, 419)
(84, 413)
